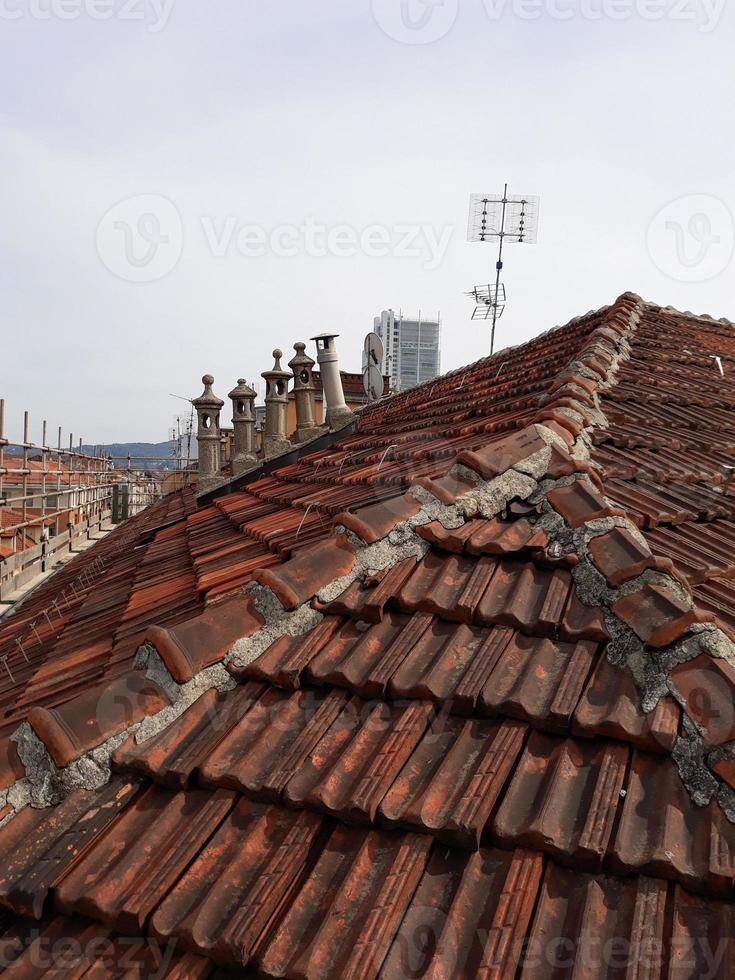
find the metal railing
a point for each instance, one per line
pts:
(50, 495)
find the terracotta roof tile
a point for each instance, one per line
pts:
(610, 706)
(117, 880)
(614, 926)
(579, 503)
(707, 685)
(620, 556)
(343, 921)
(272, 741)
(451, 782)
(204, 640)
(283, 663)
(703, 936)
(222, 904)
(582, 622)
(446, 488)
(374, 522)
(354, 764)
(538, 680)
(563, 799)
(38, 846)
(474, 910)
(501, 455)
(664, 834)
(11, 768)
(300, 578)
(91, 718)
(656, 613)
(174, 756)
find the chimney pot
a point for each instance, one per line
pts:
(338, 414)
(302, 366)
(244, 455)
(208, 407)
(275, 441)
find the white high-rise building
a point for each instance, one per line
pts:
(412, 348)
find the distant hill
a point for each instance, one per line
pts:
(139, 453)
(142, 451)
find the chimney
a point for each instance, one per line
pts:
(244, 456)
(275, 440)
(208, 407)
(338, 414)
(303, 387)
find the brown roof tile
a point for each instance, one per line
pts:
(200, 642)
(656, 613)
(344, 919)
(300, 578)
(451, 782)
(38, 846)
(610, 705)
(500, 719)
(96, 715)
(374, 522)
(663, 833)
(123, 876)
(707, 685)
(564, 798)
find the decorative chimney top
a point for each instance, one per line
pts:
(244, 456)
(303, 389)
(207, 399)
(276, 375)
(301, 365)
(242, 392)
(275, 440)
(208, 407)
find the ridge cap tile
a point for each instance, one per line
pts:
(189, 647)
(92, 717)
(309, 571)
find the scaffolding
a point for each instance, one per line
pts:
(51, 496)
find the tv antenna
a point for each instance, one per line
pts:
(499, 217)
(489, 300)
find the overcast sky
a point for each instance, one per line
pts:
(187, 184)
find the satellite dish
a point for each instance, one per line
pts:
(373, 382)
(374, 350)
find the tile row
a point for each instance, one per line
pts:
(295, 894)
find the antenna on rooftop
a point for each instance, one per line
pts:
(372, 372)
(499, 217)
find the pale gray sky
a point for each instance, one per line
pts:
(277, 151)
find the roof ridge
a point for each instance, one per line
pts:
(674, 311)
(504, 351)
(572, 400)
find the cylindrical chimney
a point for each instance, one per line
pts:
(243, 423)
(338, 414)
(303, 388)
(208, 407)
(275, 439)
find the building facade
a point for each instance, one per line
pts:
(412, 348)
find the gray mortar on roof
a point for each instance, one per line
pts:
(689, 755)
(277, 623)
(650, 669)
(45, 784)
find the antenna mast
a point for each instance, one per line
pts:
(513, 217)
